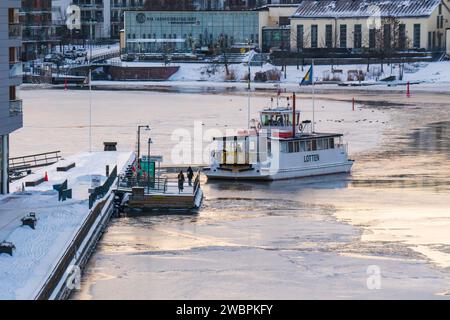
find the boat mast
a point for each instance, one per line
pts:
(313, 94)
(293, 114)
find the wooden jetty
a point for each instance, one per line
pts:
(158, 195)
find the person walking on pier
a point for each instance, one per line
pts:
(190, 175)
(180, 181)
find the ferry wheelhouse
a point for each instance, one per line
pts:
(278, 146)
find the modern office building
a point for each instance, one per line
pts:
(183, 31)
(10, 78)
(38, 35)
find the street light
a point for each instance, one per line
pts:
(147, 128)
(148, 165)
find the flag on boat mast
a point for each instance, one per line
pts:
(308, 78)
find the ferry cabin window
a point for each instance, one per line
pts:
(302, 146)
(277, 120)
(290, 147)
(320, 144)
(314, 145)
(307, 146)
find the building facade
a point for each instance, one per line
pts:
(10, 78)
(39, 35)
(95, 18)
(375, 24)
(275, 24)
(118, 8)
(184, 31)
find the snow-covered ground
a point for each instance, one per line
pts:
(431, 72)
(38, 251)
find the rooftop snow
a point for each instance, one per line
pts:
(365, 8)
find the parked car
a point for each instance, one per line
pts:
(53, 58)
(80, 53)
(70, 54)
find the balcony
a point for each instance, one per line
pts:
(15, 31)
(15, 70)
(15, 108)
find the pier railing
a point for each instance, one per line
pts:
(101, 191)
(33, 161)
(153, 184)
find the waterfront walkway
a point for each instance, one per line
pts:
(38, 251)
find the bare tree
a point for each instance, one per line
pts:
(390, 38)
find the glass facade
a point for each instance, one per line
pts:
(184, 31)
(279, 38)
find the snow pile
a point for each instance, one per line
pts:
(38, 251)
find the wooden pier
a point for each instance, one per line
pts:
(159, 195)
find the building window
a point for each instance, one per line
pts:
(299, 36)
(284, 21)
(438, 20)
(429, 40)
(372, 38)
(314, 36)
(434, 40)
(416, 36)
(442, 22)
(357, 36)
(440, 9)
(343, 36)
(387, 36)
(329, 36)
(402, 36)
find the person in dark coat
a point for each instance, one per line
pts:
(190, 175)
(181, 181)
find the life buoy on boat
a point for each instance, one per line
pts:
(259, 126)
(300, 127)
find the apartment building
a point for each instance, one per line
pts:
(38, 34)
(10, 79)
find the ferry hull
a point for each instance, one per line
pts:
(281, 174)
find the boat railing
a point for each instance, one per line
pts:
(153, 184)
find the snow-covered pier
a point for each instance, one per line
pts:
(49, 257)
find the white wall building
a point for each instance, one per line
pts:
(355, 24)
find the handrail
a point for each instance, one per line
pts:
(34, 160)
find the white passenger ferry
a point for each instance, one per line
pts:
(279, 146)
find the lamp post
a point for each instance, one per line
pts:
(146, 127)
(148, 165)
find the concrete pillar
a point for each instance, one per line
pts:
(5, 163)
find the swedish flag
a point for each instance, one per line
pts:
(308, 78)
